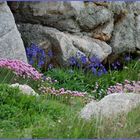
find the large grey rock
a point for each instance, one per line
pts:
(60, 15)
(116, 23)
(11, 45)
(133, 7)
(92, 16)
(91, 47)
(111, 105)
(138, 32)
(123, 38)
(120, 7)
(64, 45)
(117, 7)
(71, 16)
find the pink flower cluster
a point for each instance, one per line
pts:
(62, 91)
(127, 86)
(49, 80)
(20, 68)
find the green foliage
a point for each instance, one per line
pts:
(23, 116)
(19, 111)
(73, 80)
(124, 126)
(80, 81)
(6, 76)
(9, 77)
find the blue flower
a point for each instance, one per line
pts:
(94, 70)
(72, 61)
(44, 78)
(50, 53)
(78, 54)
(104, 70)
(94, 60)
(36, 55)
(50, 66)
(93, 64)
(127, 58)
(100, 72)
(83, 59)
(31, 62)
(116, 65)
(40, 63)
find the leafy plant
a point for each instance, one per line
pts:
(76, 79)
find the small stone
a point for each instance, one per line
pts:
(25, 89)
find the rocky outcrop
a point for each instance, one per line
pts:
(60, 15)
(123, 37)
(11, 45)
(111, 106)
(64, 45)
(113, 23)
(71, 16)
(138, 32)
(92, 16)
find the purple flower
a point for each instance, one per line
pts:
(61, 92)
(31, 61)
(116, 65)
(83, 59)
(104, 70)
(127, 86)
(92, 64)
(44, 78)
(94, 60)
(36, 55)
(72, 61)
(50, 66)
(100, 72)
(50, 53)
(127, 58)
(94, 70)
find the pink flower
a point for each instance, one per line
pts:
(62, 91)
(20, 68)
(127, 86)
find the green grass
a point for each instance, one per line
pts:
(8, 77)
(23, 116)
(19, 112)
(78, 80)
